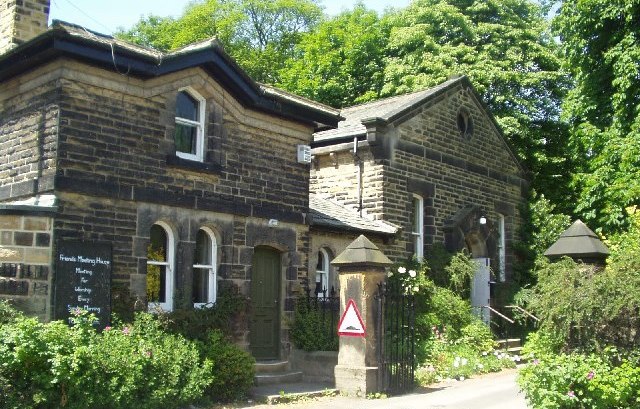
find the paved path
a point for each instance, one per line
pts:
(491, 391)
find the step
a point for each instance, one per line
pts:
(271, 366)
(509, 343)
(277, 378)
(272, 394)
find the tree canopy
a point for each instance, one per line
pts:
(600, 44)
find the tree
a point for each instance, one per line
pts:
(601, 48)
(505, 48)
(259, 34)
(341, 62)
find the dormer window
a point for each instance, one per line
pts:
(189, 134)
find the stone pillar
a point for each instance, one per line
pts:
(361, 268)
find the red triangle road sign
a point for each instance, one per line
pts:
(351, 324)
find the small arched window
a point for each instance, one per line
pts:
(189, 132)
(322, 275)
(160, 262)
(204, 268)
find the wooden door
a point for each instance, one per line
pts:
(265, 299)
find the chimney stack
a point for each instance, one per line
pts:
(21, 20)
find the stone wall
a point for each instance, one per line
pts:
(25, 262)
(28, 134)
(21, 20)
(426, 154)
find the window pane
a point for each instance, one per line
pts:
(185, 138)
(415, 215)
(157, 250)
(203, 248)
(187, 106)
(200, 285)
(156, 283)
(320, 265)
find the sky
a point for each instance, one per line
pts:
(106, 16)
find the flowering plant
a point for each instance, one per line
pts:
(407, 280)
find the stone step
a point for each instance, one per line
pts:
(277, 378)
(505, 344)
(271, 366)
(272, 394)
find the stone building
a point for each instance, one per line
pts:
(124, 163)
(423, 168)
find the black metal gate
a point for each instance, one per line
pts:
(396, 337)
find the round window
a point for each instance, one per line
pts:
(465, 123)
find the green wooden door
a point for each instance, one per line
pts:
(265, 300)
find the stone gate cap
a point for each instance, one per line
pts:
(361, 252)
(578, 241)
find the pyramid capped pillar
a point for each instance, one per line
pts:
(362, 267)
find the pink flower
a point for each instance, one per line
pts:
(590, 375)
(126, 331)
(107, 328)
(148, 354)
(536, 362)
(571, 394)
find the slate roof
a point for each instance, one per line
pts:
(72, 41)
(330, 214)
(578, 241)
(387, 110)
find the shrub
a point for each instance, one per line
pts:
(196, 323)
(312, 328)
(233, 368)
(53, 365)
(582, 381)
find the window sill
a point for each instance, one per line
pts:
(186, 164)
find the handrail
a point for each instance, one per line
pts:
(498, 313)
(522, 310)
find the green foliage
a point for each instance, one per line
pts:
(339, 62)
(505, 48)
(8, 314)
(138, 365)
(312, 328)
(258, 34)
(588, 309)
(195, 323)
(547, 223)
(471, 353)
(599, 41)
(581, 382)
(233, 368)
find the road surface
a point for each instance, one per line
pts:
(491, 391)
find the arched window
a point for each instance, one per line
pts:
(160, 262)
(322, 275)
(189, 134)
(204, 268)
(417, 226)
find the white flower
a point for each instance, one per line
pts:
(412, 273)
(402, 270)
(464, 361)
(456, 364)
(390, 273)
(416, 289)
(480, 366)
(461, 378)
